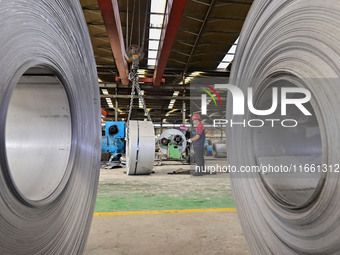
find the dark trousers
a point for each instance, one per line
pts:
(199, 159)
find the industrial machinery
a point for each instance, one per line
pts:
(113, 143)
(172, 143)
(208, 148)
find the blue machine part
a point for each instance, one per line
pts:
(208, 149)
(114, 139)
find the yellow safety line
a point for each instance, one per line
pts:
(164, 212)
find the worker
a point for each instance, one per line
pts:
(198, 144)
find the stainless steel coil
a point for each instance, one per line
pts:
(219, 150)
(140, 151)
(49, 127)
(289, 44)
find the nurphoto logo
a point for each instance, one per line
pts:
(239, 105)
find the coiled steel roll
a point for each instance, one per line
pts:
(49, 127)
(140, 151)
(289, 44)
(219, 150)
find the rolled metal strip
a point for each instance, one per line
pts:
(288, 44)
(219, 150)
(140, 151)
(49, 128)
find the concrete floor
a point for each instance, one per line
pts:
(170, 233)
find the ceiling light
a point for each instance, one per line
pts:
(151, 62)
(176, 93)
(152, 54)
(141, 71)
(155, 33)
(157, 6)
(156, 23)
(153, 45)
(105, 92)
(228, 58)
(194, 74)
(156, 20)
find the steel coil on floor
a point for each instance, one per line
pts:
(219, 150)
(289, 44)
(49, 127)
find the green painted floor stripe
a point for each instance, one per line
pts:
(116, 202)
(164, 212)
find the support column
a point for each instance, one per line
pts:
(183, 112)
(116, 111)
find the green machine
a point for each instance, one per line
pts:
(172, 144)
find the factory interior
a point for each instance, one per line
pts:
(195, 50)
(171, 127)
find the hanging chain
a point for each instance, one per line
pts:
(134, 77)
(135, 54)
(141, 98)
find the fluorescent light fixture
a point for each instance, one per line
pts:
(228, 58)
(105, 92)
(141, 71)
(187, 79)
(153, 45)
(232, 49)
(176, 93)
(191, 76)
(194, 74)
(100, 80)
(156, 23)
(151, 62)
(156, 20)
(109, 102)
(169, 112)
(158, 6)
(152, 54)
(155, 33)
(171, 104)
